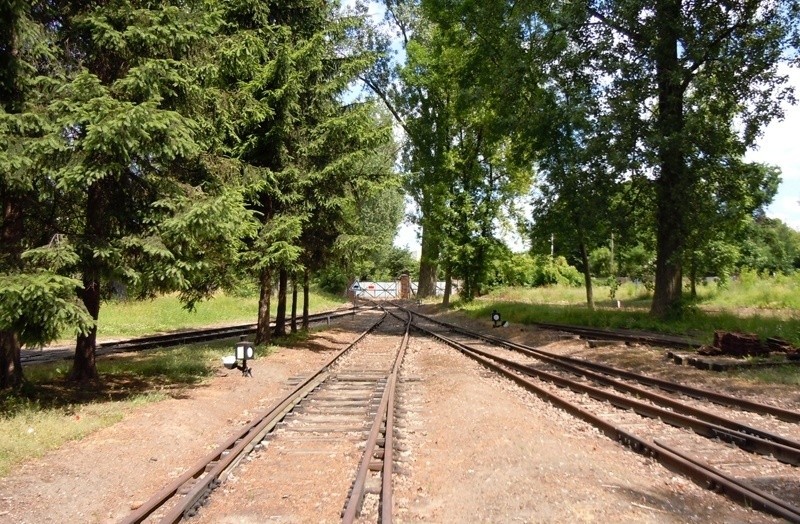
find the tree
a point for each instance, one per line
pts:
(457, 156)
(284, 68)
(125, 140)
(419, 97)
(666, 66)
(675, 81)
(35, 302)
(769, 246)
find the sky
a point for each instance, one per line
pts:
(780, 146)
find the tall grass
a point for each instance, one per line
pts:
(749, 290)
(732, 307)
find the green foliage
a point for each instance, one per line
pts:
(770, 246)
(638, 263)
(516, 269)
(600, 261)
(39, 306)
(626, 132)
(531, 306)
(555, 271)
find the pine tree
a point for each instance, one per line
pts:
(297, 143)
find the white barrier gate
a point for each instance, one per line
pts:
(391, 290)
(380, 290)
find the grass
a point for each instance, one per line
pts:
(124, 319)
(563, 305)
(786, 375)
(51, 411)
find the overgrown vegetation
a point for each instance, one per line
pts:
(564, 304)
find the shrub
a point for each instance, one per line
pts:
(555, 270)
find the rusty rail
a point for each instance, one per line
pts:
(230, 451)
(385, 413)
(703, 474)
(786, 415)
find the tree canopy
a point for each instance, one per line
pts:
(188, 145)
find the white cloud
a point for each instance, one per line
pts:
(780, 146)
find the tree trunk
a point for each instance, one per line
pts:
(84, 366)
(693, 276)
(587, 276)
(11, 373)
(448, 286)
(263, 332)
(305, 300)
(672, 186)
(280, 311)
(294, 304)
(428, 263)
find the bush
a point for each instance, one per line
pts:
(600, 262)
(554, 271)
(516, 270)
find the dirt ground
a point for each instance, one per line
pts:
(472, 448)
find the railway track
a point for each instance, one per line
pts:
(741, 449)
(34, 356)
(342, 414)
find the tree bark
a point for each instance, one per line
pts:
(263, 331)
(672, 186)
(428, 263)
(587, 276)
(280, 311)
(305, 300)
(84, 366)
(294, 305)
(11, 375)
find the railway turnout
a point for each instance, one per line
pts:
(343, 416)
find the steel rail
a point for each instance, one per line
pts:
(676, 406)
(643, 338)
(731, 482)
(167, 339)
(386, 504)
(385, 413)
(704, 475)
(751, 443)
(232, 449)
(787, 415)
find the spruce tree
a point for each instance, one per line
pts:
(35, 303)
(123, 143)
(297, 143)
